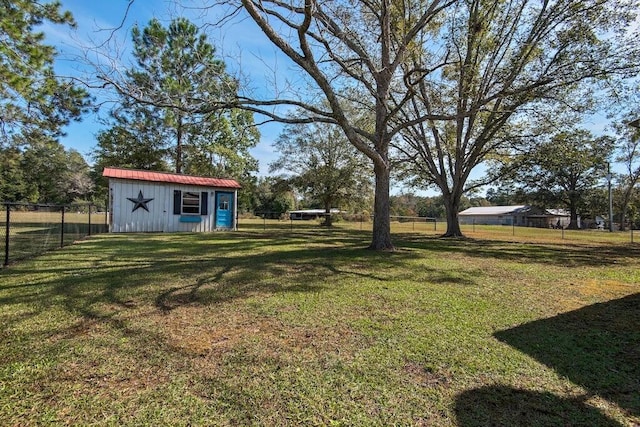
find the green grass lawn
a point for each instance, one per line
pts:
(309, 328)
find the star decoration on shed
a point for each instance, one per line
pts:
(140, 202)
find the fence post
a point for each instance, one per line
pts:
(6, 237)
(107, 213)
(62, 229)
(89, 234)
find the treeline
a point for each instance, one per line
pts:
(44, 172)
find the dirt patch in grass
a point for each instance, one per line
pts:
(592, 290)
(426, 376)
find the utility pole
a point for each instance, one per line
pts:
(610, 198)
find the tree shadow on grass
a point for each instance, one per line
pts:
(184, 269)
(596, 347)
(566, 255)
(506, 406)
(107, 284)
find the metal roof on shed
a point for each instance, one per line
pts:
(493, 210)
(170, 178)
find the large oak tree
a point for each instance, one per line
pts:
(503, 67)
(349, 53)
(450, 84)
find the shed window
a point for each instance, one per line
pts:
(223, 202)
(191, 203)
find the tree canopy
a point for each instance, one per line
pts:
(564, 169)
(175, 66)
(32, 98)
(504, 69)
(351, 53)
(316, 159)
(35, 105)
(449, 85)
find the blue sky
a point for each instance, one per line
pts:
(96, 21)
(243, 47)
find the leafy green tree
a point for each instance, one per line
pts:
(628, 155)
(405, 204)
(502, 195)
(499, 68)
(133, 140)
(432, 207)
(12, 178)
(564, 169)
(174, 67)
(318, 161)
(79, 186)
(54, 175)
(273, 197)
(224, 148)
(595, 204)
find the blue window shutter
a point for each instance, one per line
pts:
(177, 201)
(204, 203)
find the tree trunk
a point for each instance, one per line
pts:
(452, 206)
(573, 217)
(179, 146)
(327, 215)
(623, 218)
(625, 205)
(381, 239)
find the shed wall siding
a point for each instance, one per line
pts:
(486, 219)
(160, 217)
(125, 220)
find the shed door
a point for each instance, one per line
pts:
(224, 210)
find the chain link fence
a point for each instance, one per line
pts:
(27, 230)
(275, 221)
(360, 221)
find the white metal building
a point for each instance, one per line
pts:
(520, 215)
(494, 215)
(145, 201)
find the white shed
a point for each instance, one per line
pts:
(146, 201)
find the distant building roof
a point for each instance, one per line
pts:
(557, 212)
(314, 211)
(495, 210)
(171, 178)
